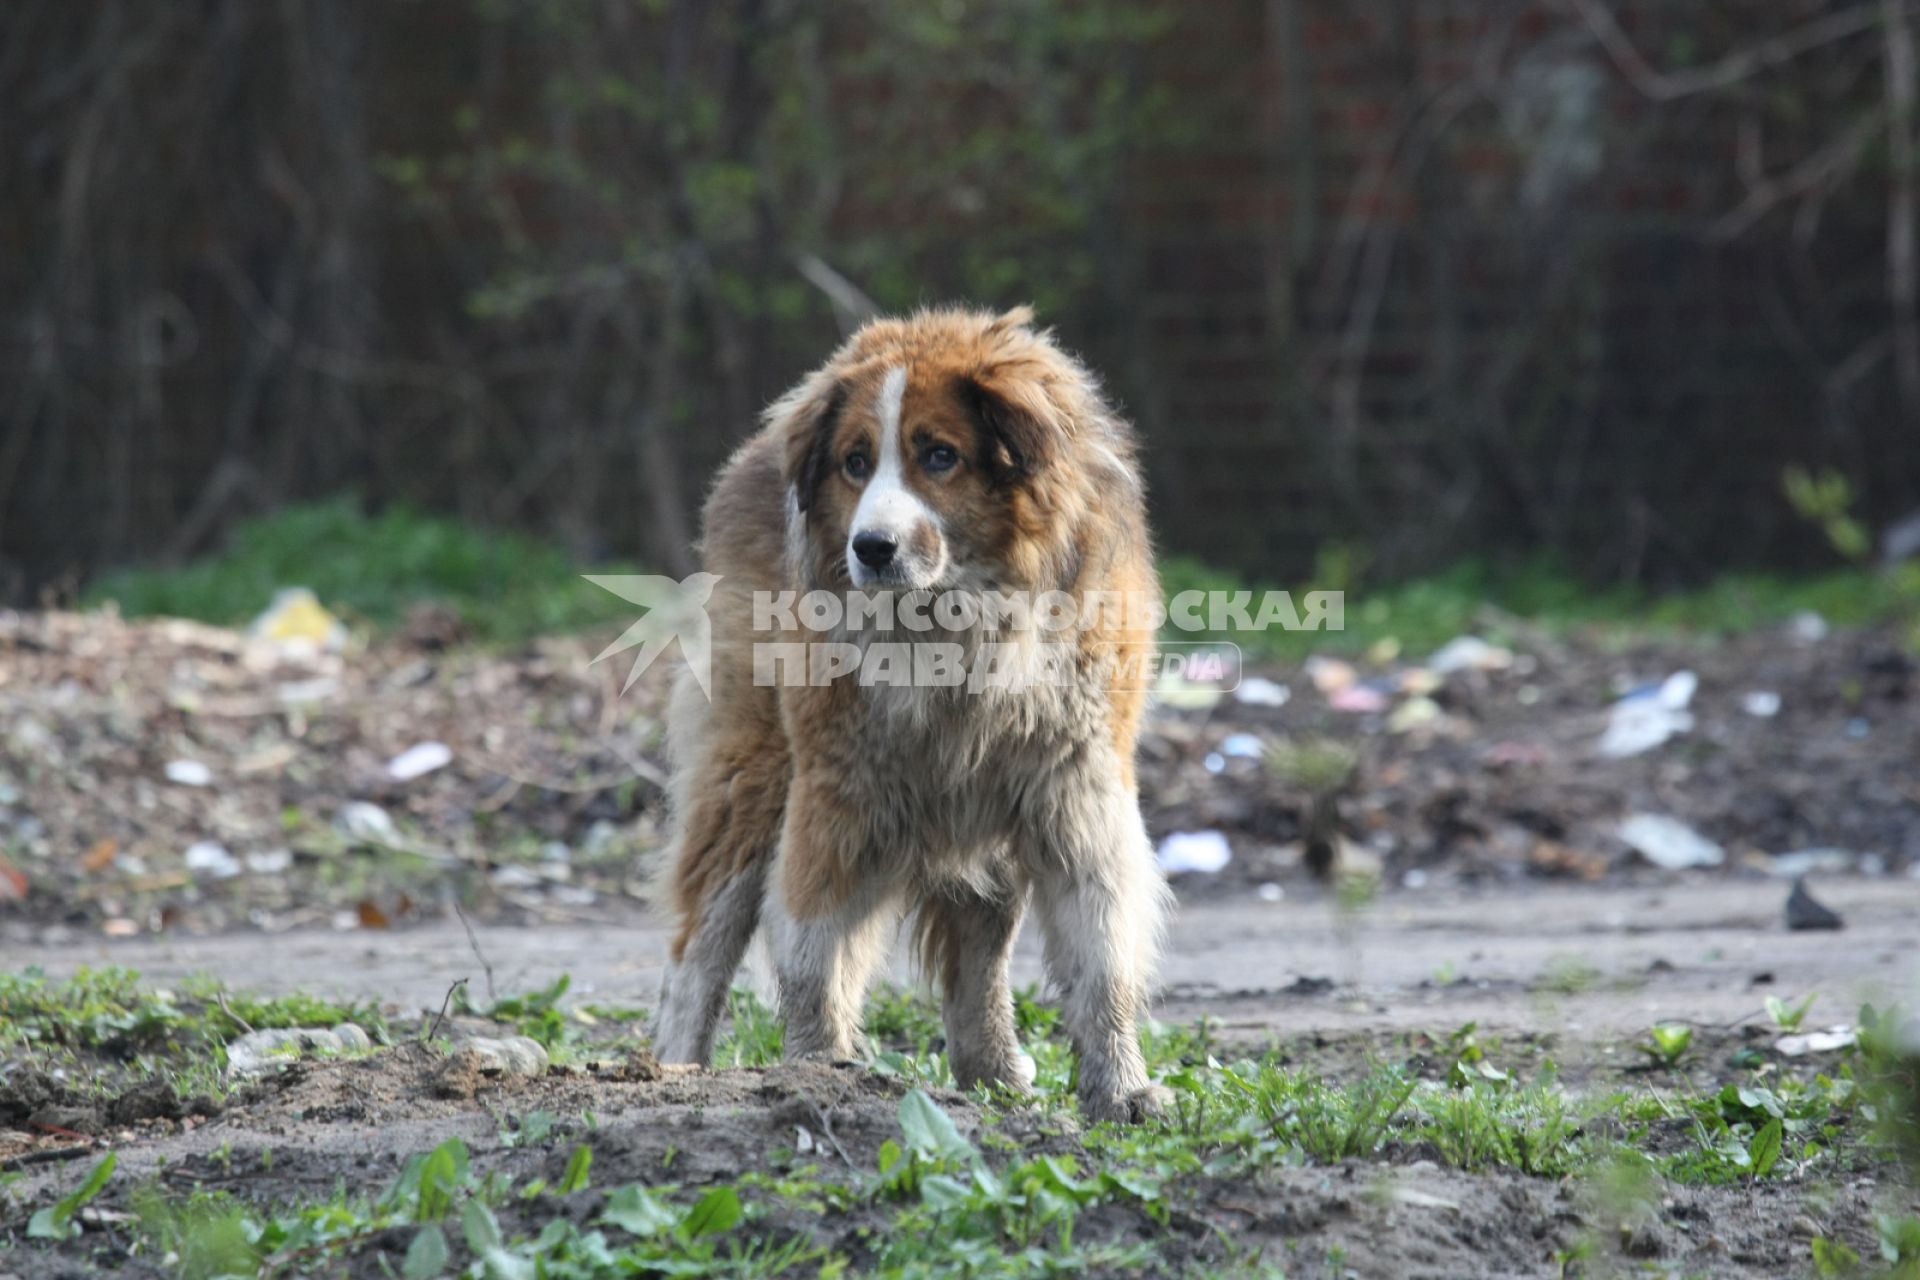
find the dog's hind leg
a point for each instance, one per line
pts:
(966, 940)
(729, 828)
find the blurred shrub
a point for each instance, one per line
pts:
(373, 568)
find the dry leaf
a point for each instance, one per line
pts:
(101, 856)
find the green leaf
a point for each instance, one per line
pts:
(1788, 1017)
(1831, 1258)
(56, 1221)
(575, 1178)
(719, 1210)
(427, 1255)
(929, 1129)
(1765, 1151)
(480, 1227)
(443, 1172)
(504, 1265)
(635, 1210)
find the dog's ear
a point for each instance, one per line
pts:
(806, 417)
(1021, 428)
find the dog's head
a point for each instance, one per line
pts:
(949, 448)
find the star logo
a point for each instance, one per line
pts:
(675, 610)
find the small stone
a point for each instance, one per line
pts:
(1804, 911)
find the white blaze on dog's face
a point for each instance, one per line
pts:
(895, 538)
(916, 466)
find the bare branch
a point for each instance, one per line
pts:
(1741, 64)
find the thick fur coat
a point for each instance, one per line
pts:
(948, 450)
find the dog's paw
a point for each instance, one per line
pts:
(1015, 1074)
(1149, 1103)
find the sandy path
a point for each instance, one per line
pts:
(1594, 962)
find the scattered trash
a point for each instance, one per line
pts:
(419, 760)
(1791, 866)
(1762, 703)
(259, 1051)
(1649, 715)
(1828, 1041)
(1415, 878)
(514, 876)
(1215, 762)
(1330, 675)
(1176, 691)
(1258, 691)
(1418, 681)
(1206, 852)
(1415, 713)
(297, 623)
(1245, 746)
(1858, 728)
(1361, 699)
(1807, 627)
(1469, 653)
(366, 823)
(1805, 912)
(269, 862)
(189, 773)
(210, 858)
(1270, 892)
(1670, 843)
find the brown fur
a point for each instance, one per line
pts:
(866, 801)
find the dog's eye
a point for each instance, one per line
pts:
(941, 457)
(858, 466)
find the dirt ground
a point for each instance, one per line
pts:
(1506, 898)
(1574, 974)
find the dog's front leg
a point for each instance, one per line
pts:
(827, 918)
(1102, 904)
(966, 938)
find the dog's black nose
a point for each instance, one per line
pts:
(874, 549)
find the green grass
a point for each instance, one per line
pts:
(370, 569)
(1475, 597)
(934, 1203)
(507, 587)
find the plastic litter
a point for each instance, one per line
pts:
(297, 622)
(1763, 704)
(269, 862)
(210, 858)
(189, 773)
(1829, 1041)
(1245, 746)
(1469, 653)
(1649, 715)
(419, 760)
(1415, 713)
(1258, 691)
(1800, 862)
(366, 823)
(1361, 699)
(1203, 851)
(1670, 843)
(259, 1051)
(1807, 627)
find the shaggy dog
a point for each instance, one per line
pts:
(949, 451)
